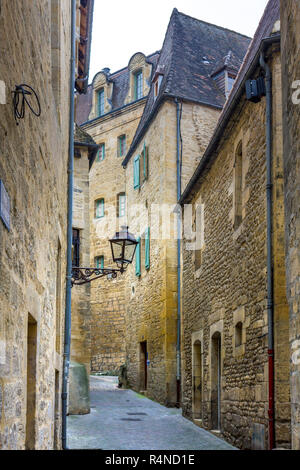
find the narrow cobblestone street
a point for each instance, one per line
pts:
(124, 420)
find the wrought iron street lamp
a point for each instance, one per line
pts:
(123, 246)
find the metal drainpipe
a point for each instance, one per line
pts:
(69, 233)
(178, 162)
(270, 304)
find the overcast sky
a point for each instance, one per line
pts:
(123, 27)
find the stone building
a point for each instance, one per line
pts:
(85, 150)
(35, 47)
(195, 71)
(226, 358)
(111, 110)
(290, 40)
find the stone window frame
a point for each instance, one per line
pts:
(101, 81)
(138, 63)
(239, 317)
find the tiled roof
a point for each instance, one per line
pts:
(120, 81)
(230, 61)
(190, 53)
(264, 31)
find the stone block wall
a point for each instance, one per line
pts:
(224, 316)
(290, 47)
(81, 318)
(33, 168)
(107, 180)
(151, 299)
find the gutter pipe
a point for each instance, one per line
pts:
(178, 165)
(270, 303)
(67, 342)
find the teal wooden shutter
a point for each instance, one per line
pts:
(136, 172)
(138, 257)
(145, 155)
(100, 262)
(147, 248)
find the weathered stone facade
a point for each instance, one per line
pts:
(35, 45)
(85, 151)
(107, 181)
(178, 121)
(290, 40)
(151, 299)
(224, 319)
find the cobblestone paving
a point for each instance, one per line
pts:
(124, 420)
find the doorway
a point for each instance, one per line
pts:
(216, 381)
(31, 383)
(197, 381)
(143, 365)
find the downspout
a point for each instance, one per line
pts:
(67, 342)
(178, 165)
(270, 304)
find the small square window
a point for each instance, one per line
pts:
(122, 145)
(100, 97)
(99, 262)
(99, 208)
(101, 152)
(138, 85)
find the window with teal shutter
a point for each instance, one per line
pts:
(138, 257)
(121, 145)
(147, 248)
(100, 102)
(138, 85)
(136, 172)
(101, 152)
(99, 208)
(99, 262)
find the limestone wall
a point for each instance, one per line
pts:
(81, 328)
(107, 180)
(224, 287)
(151, 299)
(290, 40)
(33, 168)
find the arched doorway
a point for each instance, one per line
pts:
(216, 381)
(197, 380)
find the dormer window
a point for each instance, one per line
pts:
(138, 85)
(100, 98)
(230, 82)
(157, 79)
